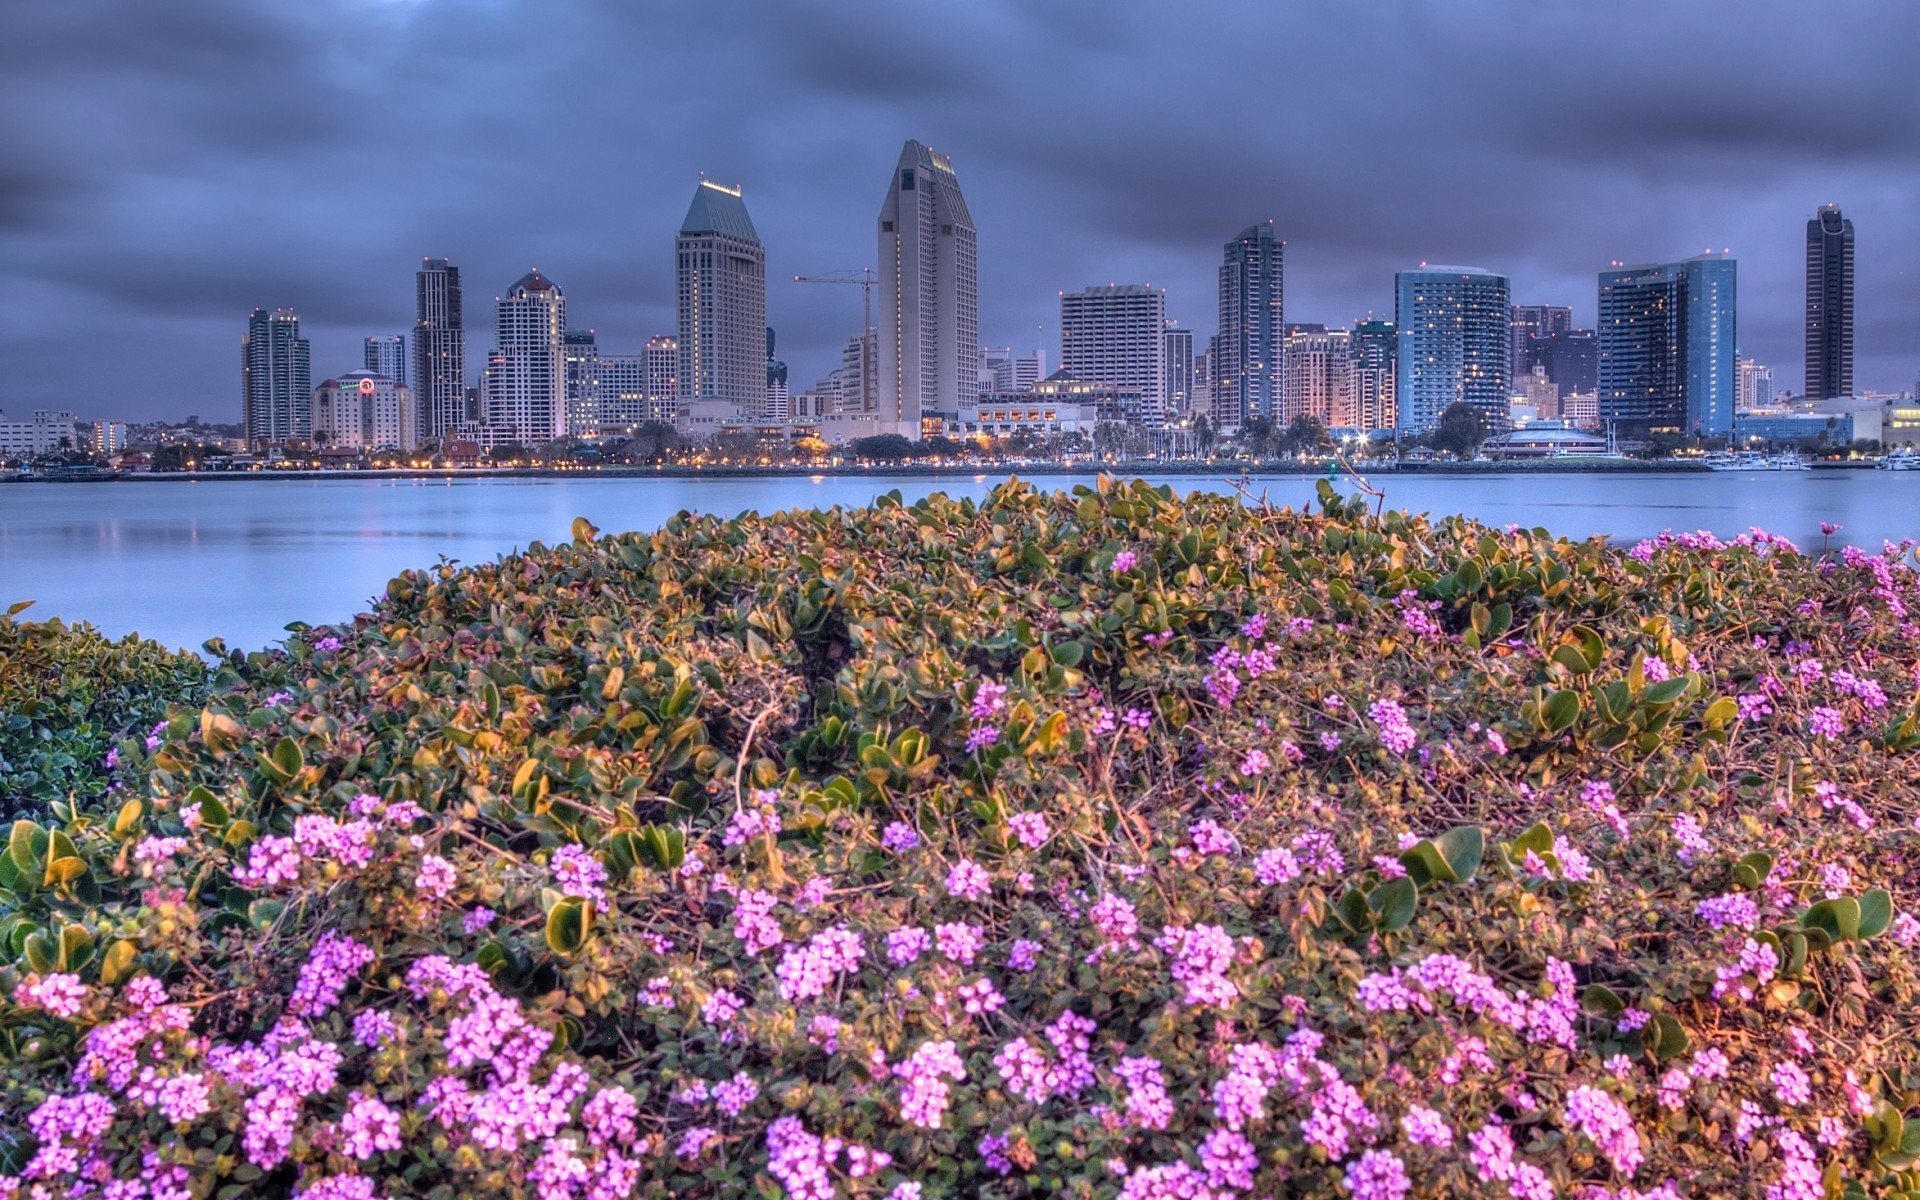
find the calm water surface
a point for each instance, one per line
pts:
(184, 562)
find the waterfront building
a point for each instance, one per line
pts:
(276, 380)
(1580, 409)
(1316, 373)
(106, 437)
(1666, 347)
(45, 432)
(1453, 345)
(721, 277)
(365, 411)
(662, 377)
(1375, 349)
(1116, 335)
(620, 397)
(1178, 388)
(524, 392)
(387, 357)
(1246, 362)
(1003, 372)
(1755, 390)
(928, 314)
(580, 350)
(1779, 428)
(1829, 304)
(439, 376)
(1528, 322)
(1203, 381)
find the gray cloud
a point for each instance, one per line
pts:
(165, 168)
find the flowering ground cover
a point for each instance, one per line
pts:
(1108, 844)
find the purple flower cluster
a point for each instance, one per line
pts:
(1396, 733)
(806, 971)
(579, 873)
(1201, 956)
(1608, 1125)
(926, 1077)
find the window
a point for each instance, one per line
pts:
(906, 180)
(886, 227)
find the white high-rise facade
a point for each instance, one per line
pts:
(387, 357)
(929, 305)
(1755, 386)
(662, 374)
(365, 410)
(275, 380)
(1316, 376)
(524, 397)
(1115, 336)
(721, 273)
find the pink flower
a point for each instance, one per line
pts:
(1377, 1175)
(62, 995)
(968, 880)
(579, 873)
(1125, 561)
(436, 878)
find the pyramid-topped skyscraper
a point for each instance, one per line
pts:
(928, 317)
(721, 272)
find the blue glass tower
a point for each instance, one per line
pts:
(1667, 340)
(1455, 345)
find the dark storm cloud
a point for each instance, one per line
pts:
(165, 168)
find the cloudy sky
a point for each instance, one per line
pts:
(168, 165)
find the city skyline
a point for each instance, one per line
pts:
(109, 221)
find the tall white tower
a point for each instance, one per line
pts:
(526, 376)
(1116, 336)
(929, 311)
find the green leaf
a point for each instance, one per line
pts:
(1668, 1038)
(1560, 711)
(1839, 918)
(583, 530)
(284, 761)
(117, 962)
(1463, 846)
(568, 925)
(1666, 692)
(1538, 839)
(1426, 864)
(1599, 1000)
(1721, 712)
(1354, 912)
(1394, 902)
(1876, 912)
(1752, 869)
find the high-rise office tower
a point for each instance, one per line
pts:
(1375, 348)
(1829, 304)
(1755, 389)
(387, 357)
(1246, 370)
(928, 310)
(620, 399)
(778, 405)
(580, 349)
(1316, 376)
(1570, 357)
(276, 380)
(524, 396)
(1177, 345)
(721, 272)
(662, 356)
(1530, 322)
(1454, 346)
(1666, 347)
(1115, 336)
(439, 349)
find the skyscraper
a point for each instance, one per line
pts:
(580, 349)
(1755, 389)
(1178, 348)
(662, 385)
(387, 357)
(1375, 351)
(721, 273)
(524, 395)
(1316, 365)
(1453, 345)
(778, 404)
(1246, 368)
(439, 349)
(1666, 347)
(365, 410)
(1530, 322)
(276, 380)
(929, 305)
(1115, 336)
(1829, 304)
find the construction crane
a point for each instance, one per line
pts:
(864, 280)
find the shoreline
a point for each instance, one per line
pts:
(1024, 470)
